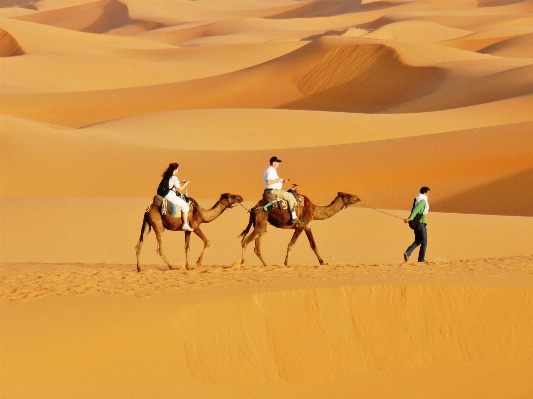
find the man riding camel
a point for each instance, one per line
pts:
(273, 184)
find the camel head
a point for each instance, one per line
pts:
(348, 199)
(230, 200)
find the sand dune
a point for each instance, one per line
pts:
(264, 338)
(366, 97)
(510, 48)
(263, 86)
(8, 45)
(377, 170)
(479, 40)
(416, 31)
(498, 86)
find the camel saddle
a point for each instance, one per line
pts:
(279, 203)
(167, 207)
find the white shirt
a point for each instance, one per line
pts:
(272, 174)
(424, 197)
(173, 182)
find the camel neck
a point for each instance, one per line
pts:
(208, 215)
(325, 212)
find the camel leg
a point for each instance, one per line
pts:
(138, 249)
(247, 240)
(257, 249)
(138, 254)
(313, 244)
(144, 233)
(187, 248)
(159, 237)
(294, 238)
(206, 241)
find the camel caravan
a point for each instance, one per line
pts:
(172, 209)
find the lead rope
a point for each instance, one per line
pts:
(247, 210)
(369, 207)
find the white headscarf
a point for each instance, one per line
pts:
(421, 197)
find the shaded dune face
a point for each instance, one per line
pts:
(362, 78)
(306, 336)
(9, 47)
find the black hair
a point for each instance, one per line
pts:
(424, 190)
(171, 168)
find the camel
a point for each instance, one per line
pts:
(197, 216)
(280, 219)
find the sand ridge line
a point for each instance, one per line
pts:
(30, 281)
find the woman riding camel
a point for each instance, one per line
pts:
(172, 190)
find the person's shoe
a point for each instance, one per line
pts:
(405, 257)
(295, 221)
(186, 227)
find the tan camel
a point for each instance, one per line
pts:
(197, 216)
(280, 219)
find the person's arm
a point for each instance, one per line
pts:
(417, 209)
(277, 181)
(184, 184)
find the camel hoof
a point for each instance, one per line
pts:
(236, 265)
(182, 269)
(324, 263)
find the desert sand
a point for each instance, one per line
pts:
(365, 97)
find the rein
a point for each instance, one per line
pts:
(247, 210)
(377, 210)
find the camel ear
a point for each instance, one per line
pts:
(224, 196)
(340, 194)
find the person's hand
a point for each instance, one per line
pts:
(286, 180)
(406, 220)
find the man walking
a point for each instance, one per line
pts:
(418, 222)
(273, 184)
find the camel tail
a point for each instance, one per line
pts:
(250, 222)
(143, 228)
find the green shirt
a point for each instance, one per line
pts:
(419, 208)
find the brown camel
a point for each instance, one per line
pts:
(197, 216)
(280, 219)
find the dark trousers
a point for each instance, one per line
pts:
(421, 238)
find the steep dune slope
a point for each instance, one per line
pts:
(363, 78)
(9, 47)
